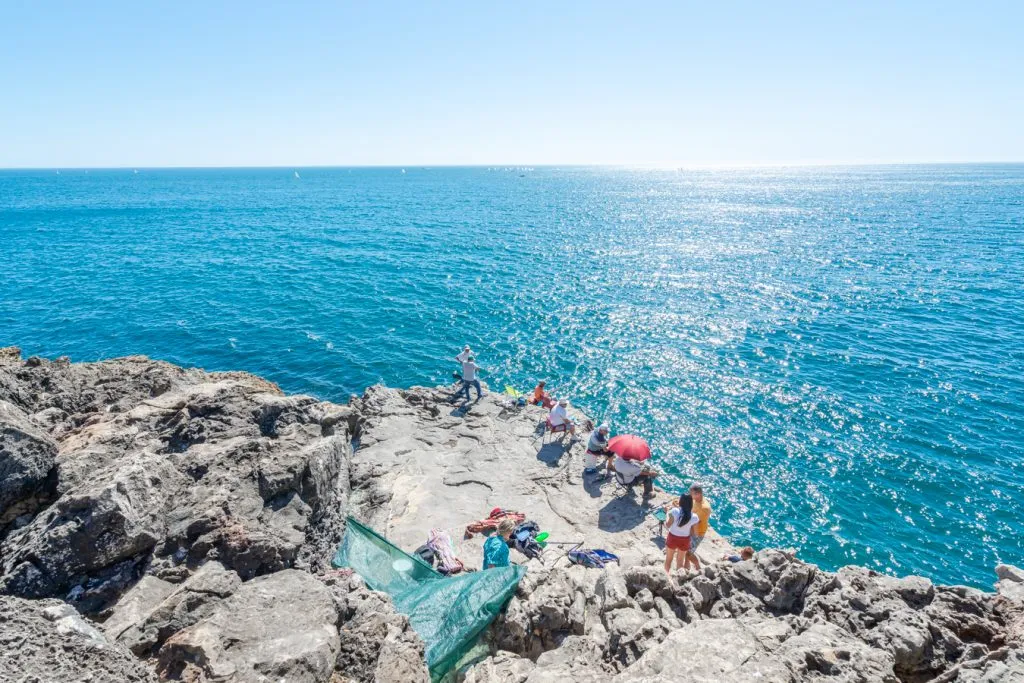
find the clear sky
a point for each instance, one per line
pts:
(119, 83)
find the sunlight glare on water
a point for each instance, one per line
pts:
(837, 353)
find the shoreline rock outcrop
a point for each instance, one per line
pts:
(161, 523)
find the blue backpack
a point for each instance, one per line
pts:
(592, 558)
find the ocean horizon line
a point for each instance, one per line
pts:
(518, 165)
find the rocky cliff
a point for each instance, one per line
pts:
(158, 523)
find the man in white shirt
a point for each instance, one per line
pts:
(469, 370)
(559, 416)
(464, 356)
(632, 471)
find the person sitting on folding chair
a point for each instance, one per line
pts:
(629, 472)
(558, 418)
(541, 397)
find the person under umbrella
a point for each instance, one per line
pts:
(631, 452)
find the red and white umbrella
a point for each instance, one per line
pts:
(629, 447)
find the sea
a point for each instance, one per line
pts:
(836, 354)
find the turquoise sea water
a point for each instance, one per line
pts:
(838, 353)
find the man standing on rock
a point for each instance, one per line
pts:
(465, 355)
(469, 370)
(702, 509)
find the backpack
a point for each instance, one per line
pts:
(524, 539)
(592, 559)
(426, 553)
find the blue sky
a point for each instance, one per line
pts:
(332, 83)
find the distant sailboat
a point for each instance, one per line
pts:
(296, 174)
(403, 170)
(135, 171)
(58, 171)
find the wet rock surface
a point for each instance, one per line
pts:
(166, 523)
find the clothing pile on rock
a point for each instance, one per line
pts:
(493, 520)
(441, 550)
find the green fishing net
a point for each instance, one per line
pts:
(448, 613)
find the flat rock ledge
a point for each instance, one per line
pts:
(161, 523)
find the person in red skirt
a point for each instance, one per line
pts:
(681, 523)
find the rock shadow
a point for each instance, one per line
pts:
(621, 514)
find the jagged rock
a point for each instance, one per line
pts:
(631, 633)
(27, 455)
(376, 643)
(190, 510)
(710, 650)
(1005, 665)
(611, 590)
(502, 667)
(154, 610)
(136, 605)
(101, 526)
(826, 651)
(578, 659)
(46, 640)
(764, 650)
(544, 613)
(1011, 582)
(1007, 572)
(159, 465)
(923, 628)
(276, 627)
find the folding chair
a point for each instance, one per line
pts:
(553, 429)
(621, 487)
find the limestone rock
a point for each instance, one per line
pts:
(376, 643)
(502, 667)
(46, 640)
(1007, 572)
(136, 605)
(1011, 583)
(541, 616)
(763, 650)
(159, 466)
(154, 610)
(194, 514)
(1005, 665)
(27, 455)
(728, 649)
(276, 627)
(579, 658)
(611, 590)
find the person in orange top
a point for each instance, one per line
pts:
(702, 509)
(541, 397)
